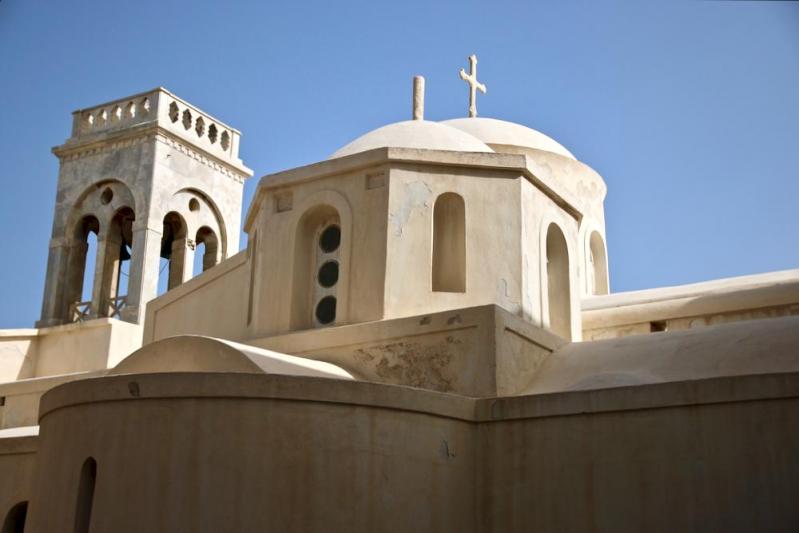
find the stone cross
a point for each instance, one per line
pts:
(418, 98)
(474, 85)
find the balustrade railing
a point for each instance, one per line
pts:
(116, 305)
(82, 311)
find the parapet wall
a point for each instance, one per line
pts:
(709, 303)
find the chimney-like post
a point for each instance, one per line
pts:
(418, 98)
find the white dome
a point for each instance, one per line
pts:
(504, 136)
(414, 134)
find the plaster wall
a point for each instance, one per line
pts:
(254, 465)
(360, 198)
(272, 453)
(36, 360)
(493, 230)
(17, 347)
(538, 212)
(91, 345)
(708, 467)
(17, 466)
(212, 304)
(480, 351)
(696, 305)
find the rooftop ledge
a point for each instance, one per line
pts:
(716, 296)
(495, 161)
(156, 108)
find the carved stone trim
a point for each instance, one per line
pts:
(66, 153)
(196, 155)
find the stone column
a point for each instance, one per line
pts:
(181, 263)
(143, 281)
(53, 299)
(111, 258)
(73, 278)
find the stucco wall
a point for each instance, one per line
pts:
(212, 304)
(360, 199)
(493, 265)
(721, 301)
(204, 452)
(17, 464)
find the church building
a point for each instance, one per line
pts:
(419, 336)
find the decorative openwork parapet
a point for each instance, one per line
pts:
(157, 107)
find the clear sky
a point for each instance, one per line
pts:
(689, 110)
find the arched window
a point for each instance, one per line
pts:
(83, 506)
(172, 267)
(449, 244)
(558, 289)
(117, 245)
(317, 256)
(80, 279)
(15, 519)
(206, 253)
(597, 265)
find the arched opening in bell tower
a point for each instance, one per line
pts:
(173, 252)
(206, 253)
(558, 283)
(117, 246)
(81, 268)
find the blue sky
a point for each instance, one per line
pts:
(689, 110)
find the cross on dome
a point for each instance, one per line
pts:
(474, 85)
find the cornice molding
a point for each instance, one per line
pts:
(67, 152)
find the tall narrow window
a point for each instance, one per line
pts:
(171, 269)
(317, 268)
(83, 507)
(15, 519)
(558, 289)
(449, 244)
(598, 265)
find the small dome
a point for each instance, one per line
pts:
(505, 136)
(414, 134)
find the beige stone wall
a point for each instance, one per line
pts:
(255, 465)
(212, 304)
(35, 360)
(697, 305)
(704, 467)
(17, 466)
(204, 452)
(385, 200)
(360, 199)
(17, 347)
(493, 265)
(480, 352)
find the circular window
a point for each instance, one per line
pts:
(194, 205)
(326, 310)
(328, 274)
(330, 239)
(107, 196)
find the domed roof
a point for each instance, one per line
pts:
(503, 136)
(415, 134)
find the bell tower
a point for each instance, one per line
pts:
(149, 178)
